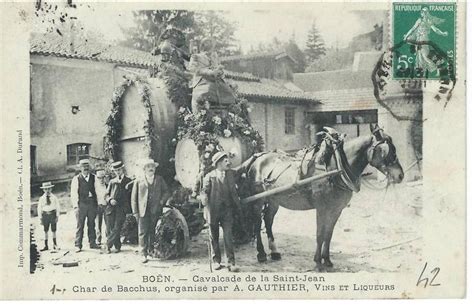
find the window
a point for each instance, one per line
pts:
(33, 166)
(289, 121)
(76, 152)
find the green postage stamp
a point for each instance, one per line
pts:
(424, 40)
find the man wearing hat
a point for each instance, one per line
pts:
(118, 206)
(220, 199)
(101, 190)
(84, 202)
(48, 211)
(208, 81)
(149, 195)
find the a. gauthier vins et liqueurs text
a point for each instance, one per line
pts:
(241, 284)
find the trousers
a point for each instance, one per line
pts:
(114, 221)
(99, 221)
(226, 221)
(146, 231)
(87, 210)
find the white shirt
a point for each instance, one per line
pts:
(44, 207)
(75, 189)
(220, 175)
(101, 191)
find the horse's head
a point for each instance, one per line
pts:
(382, 155)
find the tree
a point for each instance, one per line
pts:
(315, 47)
(150, 24)
(214, 24)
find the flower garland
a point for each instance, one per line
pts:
(206, 126)
(113, 124)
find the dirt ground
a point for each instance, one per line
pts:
(379, 232)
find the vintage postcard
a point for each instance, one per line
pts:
(297, 150)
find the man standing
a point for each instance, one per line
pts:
(149, 194)
(101, 190)
(118, 205)
(219, 197)
(84, 202)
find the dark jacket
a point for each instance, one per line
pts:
(116, 190)
(214, 202)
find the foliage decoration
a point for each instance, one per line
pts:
(206, 126)
(176, 82)
(113, 124)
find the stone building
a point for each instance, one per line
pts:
(72, 85)
(70, 92)
(270, 65)
(348, 104)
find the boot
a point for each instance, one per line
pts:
(45, 246)
(55, 244)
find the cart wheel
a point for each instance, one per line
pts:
(171, 236)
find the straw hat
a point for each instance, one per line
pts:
(47, 185)
(218, 156)
(83, 162)
(100, 174)
(149, 161)
(117, 165)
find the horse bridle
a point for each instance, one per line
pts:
(391, 151)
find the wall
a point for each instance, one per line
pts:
(269, 119)
(56, 85)
(284, 68)
(263, 67)
(402, 134)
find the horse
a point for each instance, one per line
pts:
(329, 196)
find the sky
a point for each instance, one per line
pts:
(338, 23)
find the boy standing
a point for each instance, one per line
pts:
(48, 211)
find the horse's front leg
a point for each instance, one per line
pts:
(261, 254)
(331, 220)
(268, 217)
(319, 238)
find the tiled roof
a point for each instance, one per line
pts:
(274, 54)
(333, 80)
(241, 76)
(56, 45)
(345, 100)
(271, 90)
(248, 85)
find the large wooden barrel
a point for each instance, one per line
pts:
(133, 117)
(187, 158)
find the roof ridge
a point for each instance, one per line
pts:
(253, 55)
(90, 49)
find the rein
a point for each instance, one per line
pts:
(351, 183)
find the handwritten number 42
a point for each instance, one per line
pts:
(426, 279)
